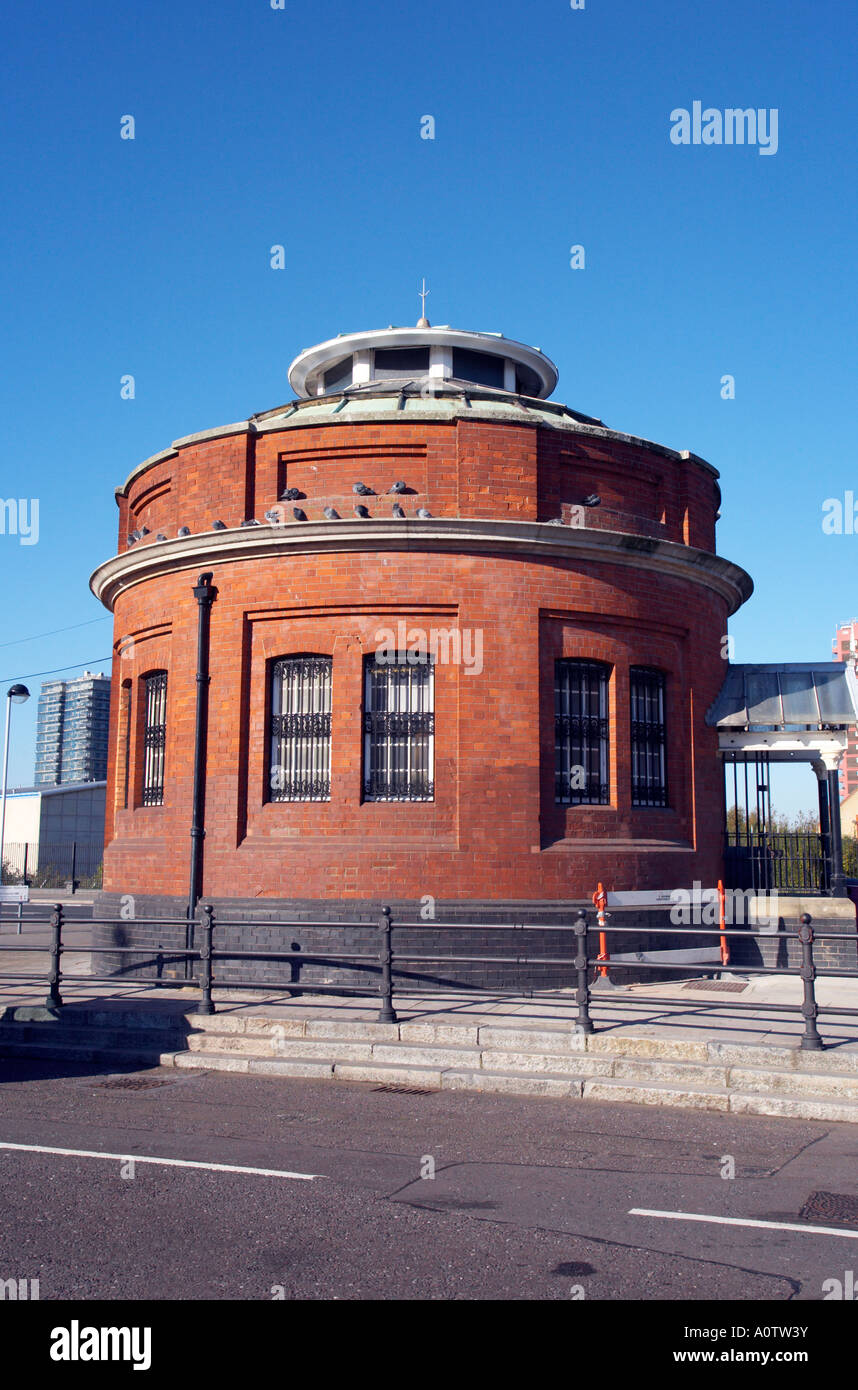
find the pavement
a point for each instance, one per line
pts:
(765, 1011)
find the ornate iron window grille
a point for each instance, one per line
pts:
(155, 738)
(581, 733)
(301, 729)
(399, 729)
(649, 746)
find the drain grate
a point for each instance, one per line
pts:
(728, 986)
(405, 1090)
(130, 1083)
(831, 1206)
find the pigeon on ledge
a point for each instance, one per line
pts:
(332, 514)
(361, 510)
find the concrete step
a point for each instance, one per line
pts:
(136, 1020)
(556, 1085)
(638, 1068)
(611, 1043)
(655, 1092)
(767, 1081)
(833, 1059)
(403, 1073)
(422, 1055)
(79, 1053)
(268, 1045)
(556, 1063)
(657, 1069)
(794, 1107)
(257, 1066)
(61, 1038)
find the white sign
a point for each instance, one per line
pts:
(14, 893)
(662, 897)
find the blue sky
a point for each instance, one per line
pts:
(301, 126)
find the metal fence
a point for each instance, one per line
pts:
(386, 962)
(776, 861)
(73, 864)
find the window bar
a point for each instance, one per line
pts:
(301, 730)
(649, 780)
(398, 730)
(155, 739)
(581, 731)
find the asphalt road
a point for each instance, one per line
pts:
(531, 1199)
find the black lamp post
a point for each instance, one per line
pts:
(205, 594)
(15, 695)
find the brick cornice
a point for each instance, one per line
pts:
(526, 540)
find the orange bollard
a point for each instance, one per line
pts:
(722, 922)
(600, 902)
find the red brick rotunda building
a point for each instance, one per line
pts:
(461, 643)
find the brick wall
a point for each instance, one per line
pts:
(493, 830)
(469, 467)
(541, 932)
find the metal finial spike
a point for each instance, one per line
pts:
(423, 322)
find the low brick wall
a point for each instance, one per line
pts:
(496, 929)
(827, 914)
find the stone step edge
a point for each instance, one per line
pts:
(549, 1084)
(737, 1080)
(515, 1038)
(722, 1078)
(717, 1061)
(90, 1037)
(49, 1052)
(499, 1037)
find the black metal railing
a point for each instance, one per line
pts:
(75, 864)
(387, 964)
(776, 861)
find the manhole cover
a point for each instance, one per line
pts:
(459, 1204)
(406, 1090)
(831, 1206)
(130, 1083)
(728, 986)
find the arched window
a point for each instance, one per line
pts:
(300, 768)
(649, 775)
(154, 737)
(581, 733)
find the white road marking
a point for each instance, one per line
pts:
(167, 1162)
(742, 1221)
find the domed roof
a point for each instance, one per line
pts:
(438, 354)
